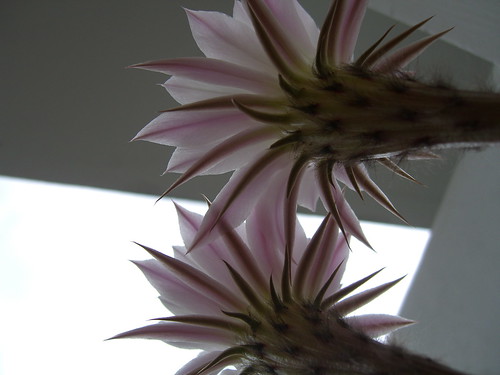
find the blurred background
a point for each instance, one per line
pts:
(69, 107)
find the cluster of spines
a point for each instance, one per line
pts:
(286, 333)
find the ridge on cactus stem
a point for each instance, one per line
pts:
(276, 93)
(247, 301)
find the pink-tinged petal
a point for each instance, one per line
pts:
(280, 48)
(294, 235)
(236, 199)
(339, 33)
(264, 228)
(340, 257)
(352, 19)
(187, 91)
(223, 157)
(241, 14)
(303, 272)
(189, 223)
(339, 171)
(207, 259)
(299, 25)
(309, 192)
(194, 128)
(244, 260)
(309, 24)
(198, 280)
(180, 254)
(333, 250)
(218, 322)
(176, 295)
(182, 335)
(215, 72)
(196, 364)
(375, 325)
(399, 59)
(221, 37)
(211, 256)
(329, 41)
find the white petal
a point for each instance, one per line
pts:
(327, 260)
(194, 128)
(240, 14)
(216, 72)
(309, 192)
(200, 281)
(210, 258)
(299, 25)
(265, 228)
(223, 156)
(222, 37)
(178, 297)
(183, 335)
(245, 196)
(186, 91)
(341, 255)
(351, 23)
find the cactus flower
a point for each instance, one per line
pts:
(246, 300)
(276, 93)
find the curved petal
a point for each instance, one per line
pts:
(210, 258)
(188, 91)
(182, 335)
(288, 58)
(216, 72)
(303, 272)
(222, 37)
(236, 199)
(241, 14)
(308, 192)
(340, 257)
(265, 228)
(300, 27)
(223, 156)
(176, 295)
(189, 222)
(198, 280)
(352, 18)
(194, 128)
(333, 250)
